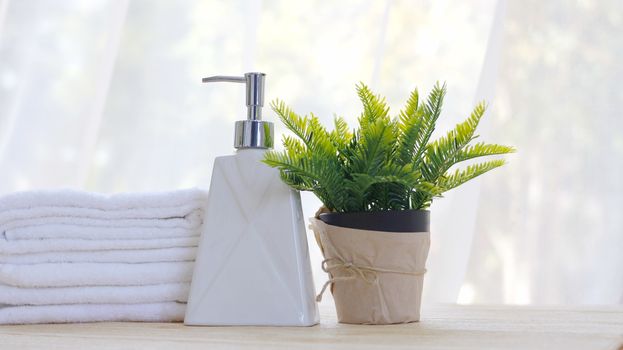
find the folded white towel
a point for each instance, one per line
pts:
(131, 213)
(152, 293)
(190, 221)
(104, 202)
(152, 312)
(94, 274)
(99, 233)
(77, 204)
(72, 256)
(86, 228)
(104, 256)
(55, 245)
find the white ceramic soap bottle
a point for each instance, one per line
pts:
(252, 266)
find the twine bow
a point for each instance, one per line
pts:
(368, 274)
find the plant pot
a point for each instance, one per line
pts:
(376, 275)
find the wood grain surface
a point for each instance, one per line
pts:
(442, 327)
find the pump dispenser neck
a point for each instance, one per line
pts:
(252, 132)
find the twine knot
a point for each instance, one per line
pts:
(368, 274)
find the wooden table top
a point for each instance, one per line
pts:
(442, 327)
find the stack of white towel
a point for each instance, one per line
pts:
(69, 256)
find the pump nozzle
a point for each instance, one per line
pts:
(253, 132)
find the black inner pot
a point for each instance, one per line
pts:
(392, 221)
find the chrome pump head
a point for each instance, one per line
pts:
(252, 132)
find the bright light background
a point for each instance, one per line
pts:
(106, 96)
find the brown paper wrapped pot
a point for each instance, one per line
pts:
(377, 275)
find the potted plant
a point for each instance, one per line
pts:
(376, 184)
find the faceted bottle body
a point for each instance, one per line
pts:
(252, 266)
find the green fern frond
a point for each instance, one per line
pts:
(409, 124)
(424, 193)
(340, 136)
(308, 129)
(375, 146)
(459, 177)
(320, 137)
(442, 153)
(291, 173)
(322, 176)
(482, 149)
(294, 147)
(430, 112)
(360, 189)
(295, 123)
(385, 164)
(362, 182)
(412, 103)
(379, 192)
(374, 107)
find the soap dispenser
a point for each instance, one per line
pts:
(252, 265)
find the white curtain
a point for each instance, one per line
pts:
(105, 95)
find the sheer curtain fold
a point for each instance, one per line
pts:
(55, 66)
(103, 79)
(106, 95)
(454, 237)
(546, 228)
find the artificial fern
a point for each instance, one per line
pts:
(385, 164)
